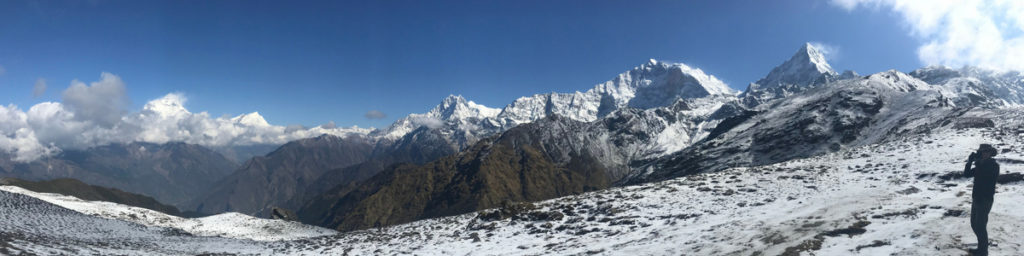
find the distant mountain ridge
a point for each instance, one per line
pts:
(272, 180)
(172, 173)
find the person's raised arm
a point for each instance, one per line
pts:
(968, 172)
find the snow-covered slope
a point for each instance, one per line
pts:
(30, 226)
(644, 134)
(229, 225)
(875, 200)
(823, 119)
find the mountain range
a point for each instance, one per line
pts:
(901, 197)
(800, 109)
(658, 121)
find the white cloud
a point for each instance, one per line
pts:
(39, 88)
(428, 121)
(986, 33)
(17, 138)
(80, 122)
(53, 124)
(166, 119)
(102, 102)
(2, 70)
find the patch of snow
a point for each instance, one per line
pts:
(230, 225)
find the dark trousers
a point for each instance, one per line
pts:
(979, 219)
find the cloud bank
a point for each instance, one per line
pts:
(95, 114)
(103, 102)
(985, 33)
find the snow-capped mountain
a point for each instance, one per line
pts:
(653, 110)
(462, 121)
(807, 68)
(651, 85)
(454, 112)
(631, 146)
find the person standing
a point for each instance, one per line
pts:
(985, 173)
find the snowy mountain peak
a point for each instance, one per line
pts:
(251, 119)
(169, 105)
(650, 85)
(807, 68)
(453, 100)
(803, 68)
(456, 107)
(658, 84)
(815, 57)
(453, 113)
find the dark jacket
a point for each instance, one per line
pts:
(985, 173)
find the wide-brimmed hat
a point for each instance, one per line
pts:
(987, 148)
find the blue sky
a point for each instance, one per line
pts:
(308, 63)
